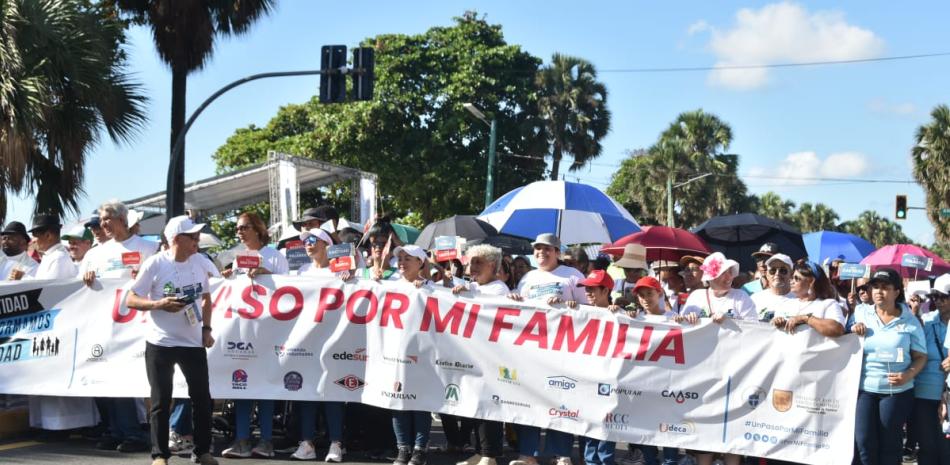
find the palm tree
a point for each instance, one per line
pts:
(817, 217)
(184, 34)
(876, 229)
(573, 106)
(931, 158)
(62, 83)
(775, 207)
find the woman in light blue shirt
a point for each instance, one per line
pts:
(895, 352)
(928, 387)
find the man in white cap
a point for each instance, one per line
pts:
(767, 301)
(79, 240)
(122, 254)
(551, 282)
(720, 300)
(172, 286)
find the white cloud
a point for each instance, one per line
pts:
(697, 27)
(880, 105)
(783, 33)
(797, 168)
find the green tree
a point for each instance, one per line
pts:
(573, 105)
(931, 156)
(429, 153)
(875, 229)
(62, 82)
(818, 217)
(184, 33)
(774, 206)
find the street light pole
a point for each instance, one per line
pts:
(492, 138)
(669, 195)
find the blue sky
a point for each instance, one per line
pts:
(846, 121)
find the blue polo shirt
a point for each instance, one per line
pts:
(929, 383)
(887, 347)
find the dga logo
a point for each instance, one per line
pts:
(453, 365)
(561, 383)
(350, 382)
(239, 379)
(564, 412)
(782, 400)
(686, 427)
(680, 396)
(616, 421)
(508, 375)
(95, 353)
(283, 351)
(452, 394)
(754, 396)
(397, 393)
(239, 350)
(358, 355)
(293, 381)
(756, 437)
(604, 389)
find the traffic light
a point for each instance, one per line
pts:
(332, 80)
(364, 60)
(900, 207)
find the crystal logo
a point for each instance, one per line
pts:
(564, 412)
(452, 394)
(680, 396)
(293, 381)
(239, 379)
(358, 355)
(561, 383)
(350, 382)
(678, 428)
(508, 375)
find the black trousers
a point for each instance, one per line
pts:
(934, 446)
(490, 434)
(160, 366)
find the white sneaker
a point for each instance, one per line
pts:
(524, 460)
(173, 440)
(473, 460)
(487, 461)
(564, 461)
(335, 454)
(304, 451)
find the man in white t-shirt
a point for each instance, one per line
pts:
(173, 288)
(720, 300)
(120, 256)
(15, 263)
(769, 300)
(56, 263)
(551, 282)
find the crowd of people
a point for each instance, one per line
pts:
(902, 385)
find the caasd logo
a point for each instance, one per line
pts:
(452, 394)
(239, 379)
(508, 375)
(564, 412)
(350, 382)
(616, 421)
(686, 427)
(680, 396)
(561, 383)
(358, 355)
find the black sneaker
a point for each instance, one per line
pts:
(418, 457)
(403, 456)
(909, 455)
(130, 445)
(107, 444)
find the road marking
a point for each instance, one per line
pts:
(18, 445)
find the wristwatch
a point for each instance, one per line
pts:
(206, 328)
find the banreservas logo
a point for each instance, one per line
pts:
(680, 396)
(497, 400)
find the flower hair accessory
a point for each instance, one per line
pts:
(715, 265)
(712, 267)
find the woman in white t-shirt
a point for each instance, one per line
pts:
(252, 232)
(814, 305)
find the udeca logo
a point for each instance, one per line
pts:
(687, 427)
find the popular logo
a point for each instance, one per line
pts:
(293, 381)
(239, 379)
(686, 427)
(564, 412)
(358, 355)
(452, 394)
(604, 389)
(350, 382)
(508, 375)
(680, 396)
(561, 383)
(754, 396)
(782, 400)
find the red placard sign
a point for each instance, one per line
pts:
(131, 259)
(248, 261)
(342, 264)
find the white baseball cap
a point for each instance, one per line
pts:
(181, 225)
(780, 257)
(319, 233)
(412, 250)
(942, 284)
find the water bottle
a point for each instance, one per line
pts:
(946, 428)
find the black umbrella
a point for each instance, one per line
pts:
(510, 245)
(738, 236)
(475, 231)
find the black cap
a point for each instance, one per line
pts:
(887, 276)
(321, 213)
(92, 223)
(45, 221)
(767, 250)
(13, 228)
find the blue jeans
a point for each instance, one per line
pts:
(333, 411)
(123, 420)
(181, 417)
(556, 443)
(934, 446)
(412, 425)
(242, 418)
(877, 429)
(597, 452)
(671, 455)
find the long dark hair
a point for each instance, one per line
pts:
(821, 285)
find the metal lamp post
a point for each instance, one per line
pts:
(493, 124)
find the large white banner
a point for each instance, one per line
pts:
(739, 387)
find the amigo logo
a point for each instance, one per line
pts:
(454, 365)
(239, 379)
(564, 412)
(604, 389)
(680, 396)
(293, 381)
(239, 350)
(358, 355)
(561, 383)
(508, 375)
(350, 382)
(678, 428)
(616, 421)
(452, 394)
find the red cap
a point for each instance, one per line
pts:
(650, 282)
(598, 278)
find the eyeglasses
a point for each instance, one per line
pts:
(780, 271)
(377, 245)
(796, 277)
(243, 227)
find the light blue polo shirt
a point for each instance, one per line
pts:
(929, 383)
(887, 347)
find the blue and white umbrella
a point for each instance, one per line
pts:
(577, 213)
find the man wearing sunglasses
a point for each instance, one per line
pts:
(779, 270)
